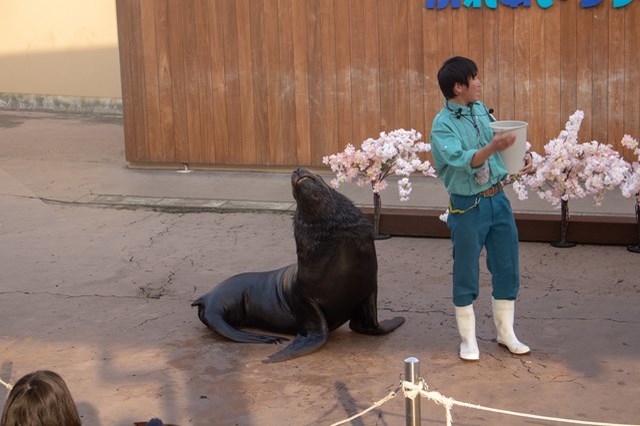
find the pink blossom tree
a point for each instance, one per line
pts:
(571, 170)
(631, 185)
(395, 153)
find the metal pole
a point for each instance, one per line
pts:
(412, 406)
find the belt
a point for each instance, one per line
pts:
(495, 189)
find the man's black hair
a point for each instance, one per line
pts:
(456, 70)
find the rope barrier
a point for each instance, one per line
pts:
(448, 403)
(414, 390)
(6, 385)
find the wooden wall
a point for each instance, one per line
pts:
(285, 82)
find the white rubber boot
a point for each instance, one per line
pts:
(466, 320)
(503, 315)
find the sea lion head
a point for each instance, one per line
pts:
(314, 198)
(323, 211)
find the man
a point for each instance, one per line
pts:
(465, 153)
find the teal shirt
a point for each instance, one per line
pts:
(454, 142)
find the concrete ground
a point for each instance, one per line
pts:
(97, 277)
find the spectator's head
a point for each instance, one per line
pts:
(456, 70)
(40, 399)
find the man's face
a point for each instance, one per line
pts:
(470, 92)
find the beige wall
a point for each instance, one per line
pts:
(65, 48)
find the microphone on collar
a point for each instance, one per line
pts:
(459, 112)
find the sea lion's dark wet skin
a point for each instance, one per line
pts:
(252, 299)
(334, 280)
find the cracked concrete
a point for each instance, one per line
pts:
(70, 300)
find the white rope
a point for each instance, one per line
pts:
(412, 391)
(6, 385)
(448, 403)
(391, 394)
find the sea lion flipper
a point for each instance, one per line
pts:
(365, 319)
(391, 324)
(301, 345)
(226, 330)
(215, 320)
(314, 332)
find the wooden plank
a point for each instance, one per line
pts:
(314, 58)
(124, 17)
(554, 121)
(329, 97)
(475, 32)
(151, 95)
(204, 94)
(416, 66)
(490, 77)
(506, 69)
(358, 82)
(537, 100)
(616, 74)
(372, 67)
(195, 149)
(568, 68)
(460, 32)
(138, 80)
(245, 80)
(521, 63)
(584, 71)
(433, 98)
(387, 68)
(401, 62)
(445, 39)
(631, 76)
(301, 66)
(138, 85)
(287, 83)
(259, 78)
(178, 81)
(272, 61)
(165, 82)
(600, 87)
(232, 79)
(219, 150)
(343, 73)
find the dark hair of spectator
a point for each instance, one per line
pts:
(40, 399)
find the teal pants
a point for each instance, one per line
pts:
(490, 224)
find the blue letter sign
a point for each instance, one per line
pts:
(493, 4)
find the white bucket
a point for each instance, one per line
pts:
(513, 156)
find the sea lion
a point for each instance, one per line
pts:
(334, 280)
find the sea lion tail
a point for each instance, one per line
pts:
(214, 318)
(302, 345)
(199, 302)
